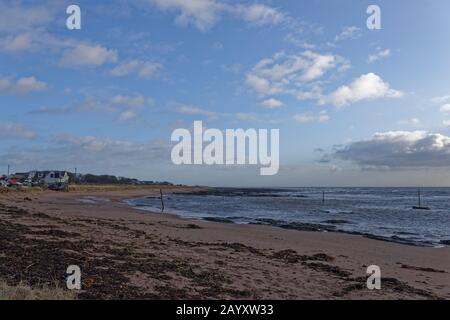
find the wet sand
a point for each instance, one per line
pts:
(125, 253)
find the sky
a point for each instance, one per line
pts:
(354, 106)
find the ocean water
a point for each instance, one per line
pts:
(385, 213)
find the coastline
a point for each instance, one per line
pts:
(185, 205)
(295, 226)
(128, 254)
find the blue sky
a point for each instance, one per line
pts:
(355, 107)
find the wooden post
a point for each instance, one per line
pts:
(323, 197)
(420, 207)
(162, 200)
(420, 202)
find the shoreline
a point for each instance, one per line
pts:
(127, 255)
(285, 225)
(296, 226)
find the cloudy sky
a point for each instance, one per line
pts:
(355, 107)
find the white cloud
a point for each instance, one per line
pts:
(204, 14)
(127, 115)
(445, 108)
(367, 87)
(292, 38)
(211, 115)
(309, 117)
(320, 64)
(348, 33)
(272, 103)
(128, 101)
(323, 117)
(192, 110)
(71, 52)
(93, 153)
(88, 105)
(15, 131)
(15, 16)
(399, 149)
(126, 68)
(245, 116)
(143, 69)
(262, 85)
(285, 73)
(446, 123)
(91, 143)
(18, 42)
(411, 122)
(34, 40)
(260, 14)
(134, 103)
(380, 54)
(441, 100)
(21, 86)
(88, 55)
(25, 27)
(304, 118)
(111, 104)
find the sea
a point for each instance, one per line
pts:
(380, 213)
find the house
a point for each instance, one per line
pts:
(19, 176)
(48, 177)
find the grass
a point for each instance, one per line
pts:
(119, 187)
(24, 292)
(92, 188)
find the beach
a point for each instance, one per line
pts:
(125, 253)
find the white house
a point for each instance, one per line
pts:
(56, 177)
(48, 177)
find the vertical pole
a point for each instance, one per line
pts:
(8, 169)
(162, 200)
(420, 203)
(323, 197)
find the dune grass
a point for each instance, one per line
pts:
(24, 292)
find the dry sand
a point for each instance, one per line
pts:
(127, 254)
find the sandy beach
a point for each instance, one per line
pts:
(125, 253)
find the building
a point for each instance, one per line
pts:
(47, 177)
